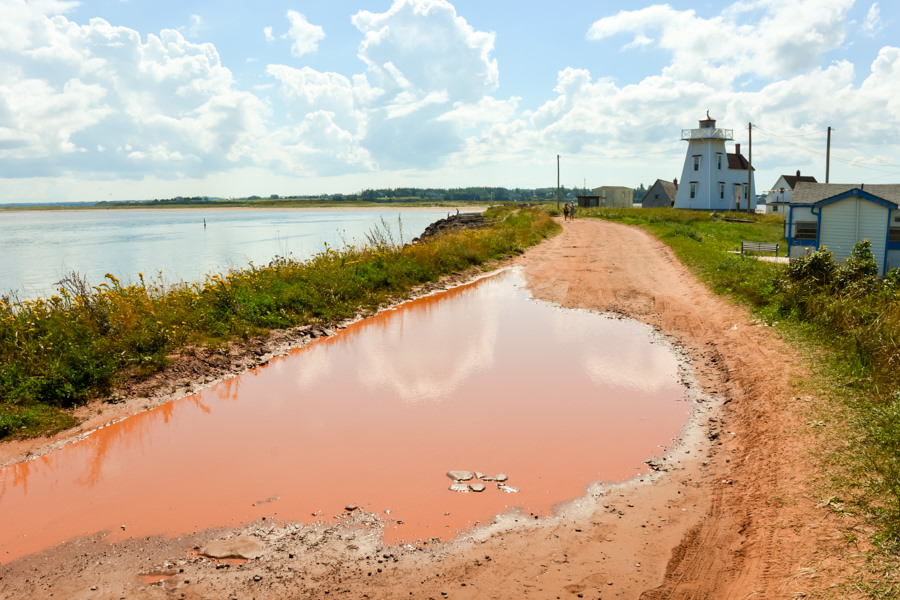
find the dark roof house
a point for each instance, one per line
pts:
(661, 194)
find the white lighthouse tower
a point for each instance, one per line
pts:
(713, 179)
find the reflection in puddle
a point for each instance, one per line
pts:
(481, 378)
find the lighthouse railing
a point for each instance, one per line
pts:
(707, 133)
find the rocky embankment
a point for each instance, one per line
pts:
(454, 223)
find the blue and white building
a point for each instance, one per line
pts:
(838, 215)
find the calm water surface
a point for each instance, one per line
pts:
(38, 249)
(481, 378)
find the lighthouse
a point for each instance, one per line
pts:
(712, 178)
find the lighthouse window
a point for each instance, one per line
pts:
(693, 189)
(719, 160)
(696, 163)
(721, 190)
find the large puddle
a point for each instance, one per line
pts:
(480, 378)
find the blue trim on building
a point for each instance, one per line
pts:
(818, 216)
(816, 210)
(791, 240)
(858, 193)
(887, 237)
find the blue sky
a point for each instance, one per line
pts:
(133, 99)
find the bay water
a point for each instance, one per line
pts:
(39, 248)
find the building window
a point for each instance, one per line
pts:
(805, 230)
(696, 162)
(719, 160)
(894, 231)
(693, 189)
(722, 190)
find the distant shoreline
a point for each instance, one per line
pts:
(44, 209)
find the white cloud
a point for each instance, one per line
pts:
(873, 25)
(304, 35)
(486, 110)
(789, 37)
(639, 41)
(97, 100)
(165, 104)
(193, 30)
(423, 46)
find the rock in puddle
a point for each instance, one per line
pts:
(476, 487)
(507, 488)
(459, 487)
(460, 475)
(243, 546)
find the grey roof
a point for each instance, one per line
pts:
(669, 186)
(810, 193)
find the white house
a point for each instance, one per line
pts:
(838, 215)
(713, 179)
(779, 197)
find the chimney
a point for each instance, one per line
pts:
(798, 173)
(675, 181)
(737, 149)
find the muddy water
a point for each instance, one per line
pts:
(481, 378)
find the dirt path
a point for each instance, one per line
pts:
(729, 514)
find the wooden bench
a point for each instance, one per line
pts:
(759, 247)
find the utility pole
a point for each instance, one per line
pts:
(557, 182)
(749, 163)
(828, 155)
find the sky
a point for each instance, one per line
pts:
(140, 99)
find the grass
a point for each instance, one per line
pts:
(846, 320)
(59, 352)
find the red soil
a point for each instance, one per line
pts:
(731, 516)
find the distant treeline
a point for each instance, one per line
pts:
(477, 195)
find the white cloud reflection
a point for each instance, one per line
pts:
(426, 355)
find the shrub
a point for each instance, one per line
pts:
(859, 271)
(817, 269)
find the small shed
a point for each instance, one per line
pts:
(838, 216)
(588, 201)
(614, 196)
(661, 194)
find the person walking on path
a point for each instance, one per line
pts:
(565, 212)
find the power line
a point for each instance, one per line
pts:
(851, 162)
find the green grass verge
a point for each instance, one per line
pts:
(846, 322)
(59, 352)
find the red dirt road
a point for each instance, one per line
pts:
(730, 514)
